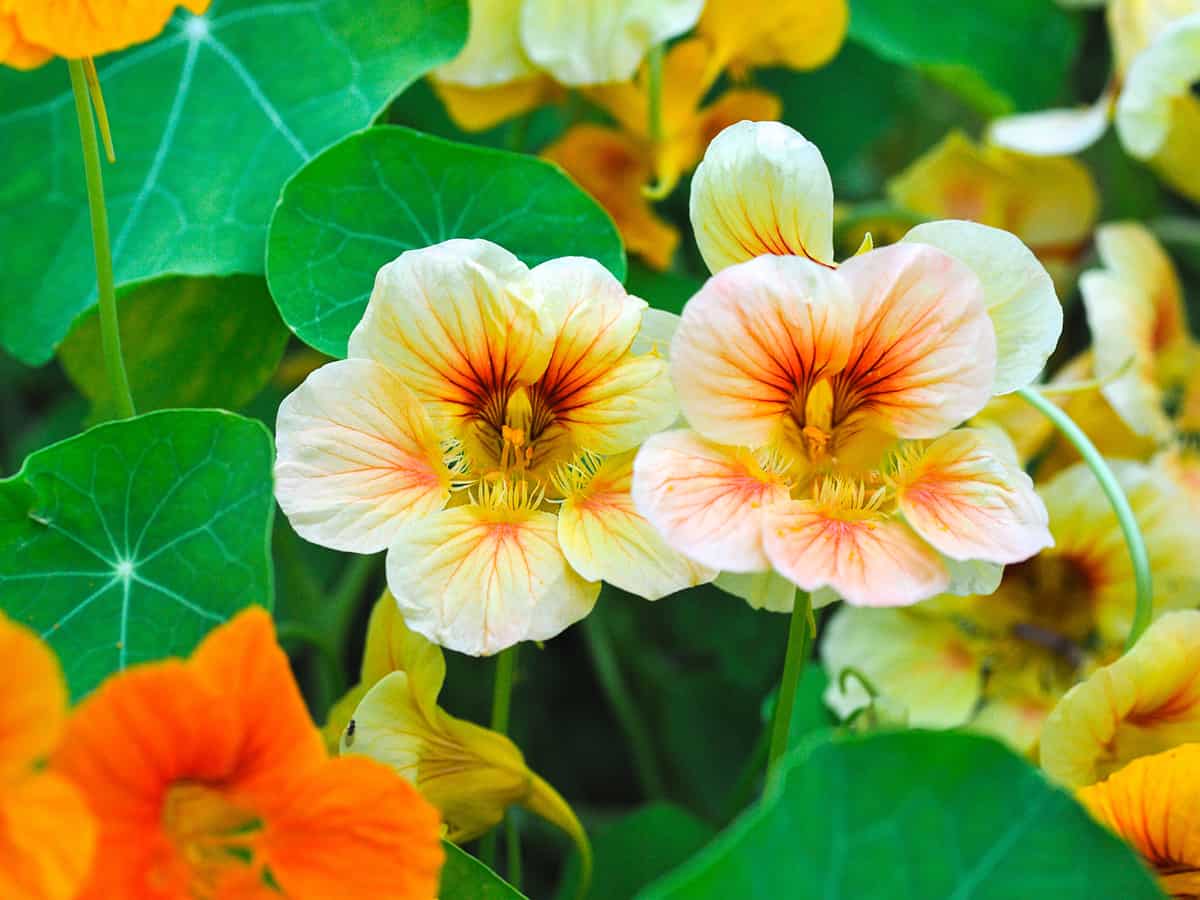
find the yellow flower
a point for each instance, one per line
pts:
(481, 431)
(1145, 702)
(1154, 804)
(33, 31)
(1050, 203)
(749, 34)
(470, 773)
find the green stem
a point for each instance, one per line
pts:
(1144, 589)
(512, 843)
(800, 633)
(300, 633)
(654, 67)
(348, 591)
(110, 330)
(608, 672)
(506, 665)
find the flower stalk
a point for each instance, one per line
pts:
(801, 632)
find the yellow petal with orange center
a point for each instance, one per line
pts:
(762, 188)
(868, 557)
(923, 357)
(1145, 702)
(479, 578)
(493, 54)
(1159, 76)
(753, 341)
(967, 495)
(357, 457)
(458, 323)
(79, 28)
(767, 33)
(481, 108)
(705, 499)
(923, 664)
(606, 539)
(607, 399)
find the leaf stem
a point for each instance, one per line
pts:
(801, 631)
(110, 329)
(654, 69)
(1143, 585)
(506, 665)
(608, 673)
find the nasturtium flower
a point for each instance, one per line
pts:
(1156, 46)
(209, 779)
(1050, 203)
(750, 34)
(1154, 804)
(470, 773)
(823, 400)
(1000, 663)
(47, 834)
(1145, 702)
(482, 432)
(34, 31)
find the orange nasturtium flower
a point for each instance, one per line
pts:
(824, 400)
(47, 835)
(33, 31)
(482, 431)
(1154, 804)
(209, 780)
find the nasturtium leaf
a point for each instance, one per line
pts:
(911, 815)
(662, 290)
(367, 199)
(1021, 49)
(130, 541)
(636, 849)
(208, 121)
(188, 342)
(466, 878)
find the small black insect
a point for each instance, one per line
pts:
(350, 734)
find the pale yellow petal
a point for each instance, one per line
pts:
(1159, 75)
(1175, 161)
(762, 188)
(357, 457)
(394, 647)
(1134, 24)
(1054, 132)
(493, 53)
(605, 538)
(762, 590)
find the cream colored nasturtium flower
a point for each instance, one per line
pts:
(1145, 702)
(470, 773)
(482, 432)
(823, 400)
(1156, 49)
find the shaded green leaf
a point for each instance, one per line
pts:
(208, 120)
(366, 200)
(662, 290)
(466, 878)
(911, 816)
(188, 342)
(130, 541)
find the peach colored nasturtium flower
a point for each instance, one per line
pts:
(823, 400)
(34, 31)
(209, 779)
(482, 431)
(1154, 804)
(47, 835)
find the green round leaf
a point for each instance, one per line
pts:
(466, 878)
(366, 200)
(130, 541)
(208, 122)
(912, 815)
(188, 342)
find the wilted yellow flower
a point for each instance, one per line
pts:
(482, 432)
(470, 773)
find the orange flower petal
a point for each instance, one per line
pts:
(79, 28)
(47, 836)
(707, 500)
(356, 829)
(481, 108)
(33, 710)
(14, 51)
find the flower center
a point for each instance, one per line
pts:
(1056, 595)
(519, 438)
(211, 834)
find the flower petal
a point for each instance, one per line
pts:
(608, 400)
(766, 33)
(33, 708)
(868, 558)
(393, 647)
(77, 28)
(457, 323)
(493, 54)
(1054, 132)
(15, 51)
(478, 579)
(605, 538)
(967, 495)
(1145, 702)
(762, 189)
(922, 663)
(762, 590)
(924, 351)
(596, 41)
(47, 838)
(481, 108)
(1158, 76)
(755, 337)
(357, 457)
(1017, 291)
(705, 499)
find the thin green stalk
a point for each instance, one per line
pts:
(506, 665)
(110, 330)
(654, 69)
(608, 672)
(800, 634)
(349, 589)
(1143, 586)
(512, 843)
